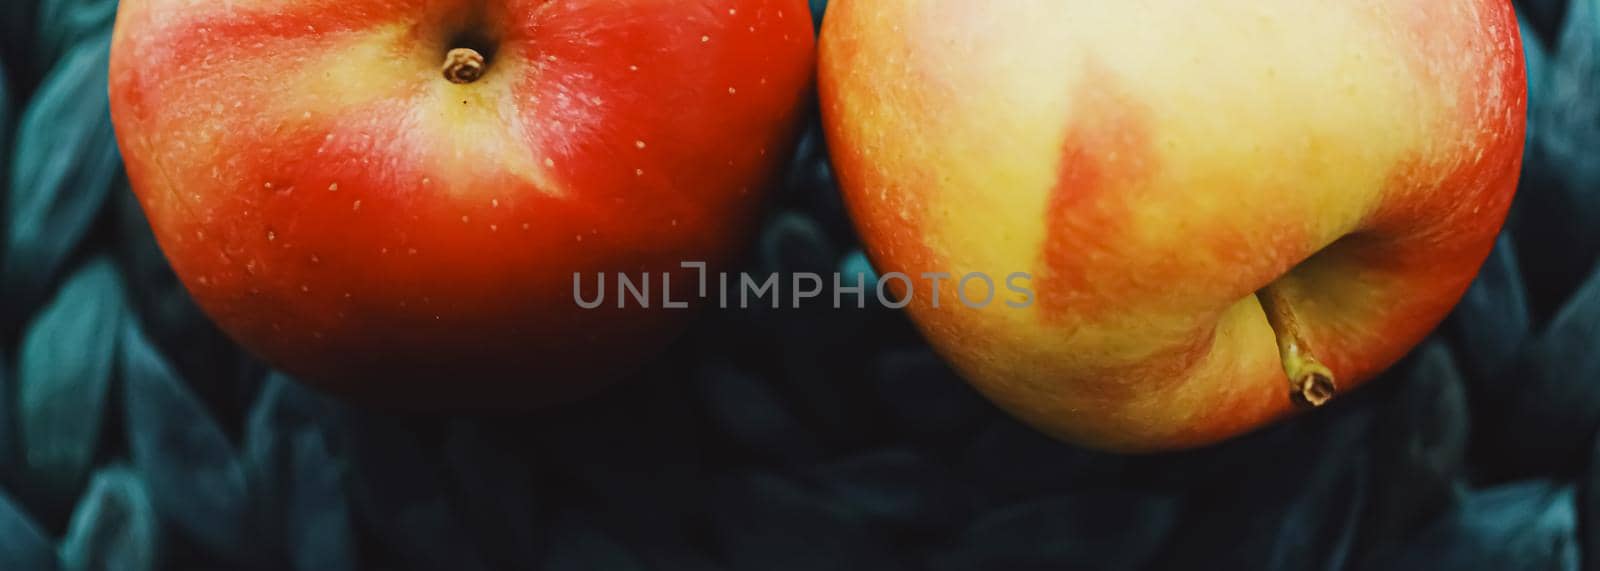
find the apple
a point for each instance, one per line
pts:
(391, 200)
(1228, 211)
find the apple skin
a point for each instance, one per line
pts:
(342, 210)
(1153, 165)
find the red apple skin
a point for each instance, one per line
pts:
(346, 213)
(1155, 164)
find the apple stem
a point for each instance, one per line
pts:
(463, 65)
(1311, 384)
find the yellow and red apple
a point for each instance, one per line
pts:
(390, 198)
(1226, 208)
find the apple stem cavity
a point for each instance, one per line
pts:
(463, 65)
(1311, 384)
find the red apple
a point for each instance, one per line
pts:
(1225, 208)
(390, 199)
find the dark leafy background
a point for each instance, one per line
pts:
(134, 436)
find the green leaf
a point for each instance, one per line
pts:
(1544, 18)
(297, 477)
(1529, 525)
(1492, 321)
(1537, 59)
(400, 492)
(64, 373)
(66, 23)
(196, 479)
(114, 527)
(320, 536)
(65, 163)
(8, 422)
(1569, 116)
(23, 546)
